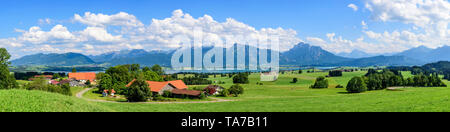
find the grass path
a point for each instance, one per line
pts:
(216, 100)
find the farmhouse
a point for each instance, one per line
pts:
(213, 89)
(179, 93)
(269, 76)
(82, 77)
(160, 87)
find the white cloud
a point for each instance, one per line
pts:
(161, 32)
(364, 25)
(418, 12)
(159, 35)
(57, 34)
(429, 19)
(99, 34)
(353, 6)
(119, 19)
(45, 21)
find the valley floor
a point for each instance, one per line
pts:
(283, 96)
(279, 96)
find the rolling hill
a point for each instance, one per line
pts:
(300, 55)
(40, 101)
(53, 59)
(428, 55)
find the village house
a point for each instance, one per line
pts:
(175, 87)
(180, 93)
(82, 77)
(213, 89)
(269, 76)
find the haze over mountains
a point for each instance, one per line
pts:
(301, 55)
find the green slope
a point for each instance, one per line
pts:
(39, 101)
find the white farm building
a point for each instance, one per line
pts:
(269, 76)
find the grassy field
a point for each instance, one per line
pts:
(279, 96)
(39, 101)
(283, 96)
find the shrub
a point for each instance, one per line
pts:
(321, 82)
(294, 80)
(356, 85)
(167, 94)
(236, 90)
(138, 91)
(88, 82)
(202, 95)
(224, 93)
(65, 89)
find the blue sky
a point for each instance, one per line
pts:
(331, 24)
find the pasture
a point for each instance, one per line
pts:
(279, 96)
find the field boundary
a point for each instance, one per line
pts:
(216, 100)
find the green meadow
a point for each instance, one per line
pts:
(278, 96)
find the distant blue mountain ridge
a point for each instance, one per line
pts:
(301, 54)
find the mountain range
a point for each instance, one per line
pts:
(301, 54)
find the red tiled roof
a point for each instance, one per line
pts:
(178, 84)
(186, 92)
(54, 82)
(82, 76)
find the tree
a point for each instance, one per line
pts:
(356, 85)
(152, 76)
(321, 82)
(158, 69)
(7, 80)
(236, 90)
(66, 89)
(336, 73)
(224, 93)
(56, 76)
(241, 78)
(294, 80)
(138, 91)
(74, 70)
(146, 69)
(105, 83)
(4, 57)
(300, 71)
(120, 74)
(88, 82)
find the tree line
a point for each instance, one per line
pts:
(375, 80)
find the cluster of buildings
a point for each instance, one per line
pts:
(177, 87)
(74, 79)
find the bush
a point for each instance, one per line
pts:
(167, 94)
(236, 90)
(202, 95)
(224, 93)
(356, 85)
(294, 80)
(138, 91)
(321, 82)
(41, 84)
